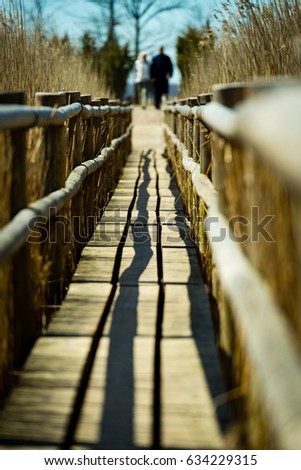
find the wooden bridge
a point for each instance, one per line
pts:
(108, 372)
(171, 334)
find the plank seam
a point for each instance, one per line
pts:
(160, 307)
(87, 370)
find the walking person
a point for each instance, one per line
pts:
(142, 79)
(160, 71)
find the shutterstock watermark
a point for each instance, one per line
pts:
(171, 229)
(242, 229)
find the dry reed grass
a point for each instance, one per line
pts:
(255, 39)
(32, 62)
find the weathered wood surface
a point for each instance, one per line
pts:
(255, 157)
(103, 376)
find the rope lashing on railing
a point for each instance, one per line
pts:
(22, 116)
(14, 234)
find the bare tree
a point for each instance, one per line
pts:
(110, 6)
(143, 11)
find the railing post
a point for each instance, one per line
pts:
(97, 127)
(74, 135)
(223, 152)
(106, 172)
(181, 137)
(88, 153)
(104, 124)
(114, 124)
(204, 144)
(172, 123)
(114, 121)
(194, 131)
(55, 161)
(88, 143)
(73, 208)
(190, 193)
(94, 179)
(190, 129)
(19, 325)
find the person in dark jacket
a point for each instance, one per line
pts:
(160, 71)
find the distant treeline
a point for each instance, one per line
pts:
(245, 40)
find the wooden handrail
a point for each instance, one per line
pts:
(276, 112)
(16, 117)
(255, 141)
(15, 233)
(78, 158)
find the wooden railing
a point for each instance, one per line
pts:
(60, 161)
(236, 154)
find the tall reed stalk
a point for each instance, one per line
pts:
(33, 62)
(254, 39)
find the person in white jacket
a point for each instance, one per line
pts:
(142, 68)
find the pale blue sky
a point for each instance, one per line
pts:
(77, 16)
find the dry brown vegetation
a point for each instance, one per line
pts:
(255, 39)
(33, 62)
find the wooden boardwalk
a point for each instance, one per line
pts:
(129, 361)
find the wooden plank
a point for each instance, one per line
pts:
(144, 217)
(137, 217)
(88, 431)
(126, 183)
(144, 390)
(150, 191)
(172, 217)
(170, 184)
(180, 265)
(118, 409)
(147, 173)
(118, 201)
(107, 234)
(143, 203)
(80, 312)
(171, 203)
(169, 192)
(130, 174)
(114, 216)
(145, 235)
(96, 264)
(123, 191)
(138, 265)
(37, 410)
(139, 301)
(187, 314)
(188, 412)
(121, 384)
(176, 235)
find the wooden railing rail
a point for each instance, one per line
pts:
(69, 150)
(252, 134)
(15, 233)
(17, 116)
